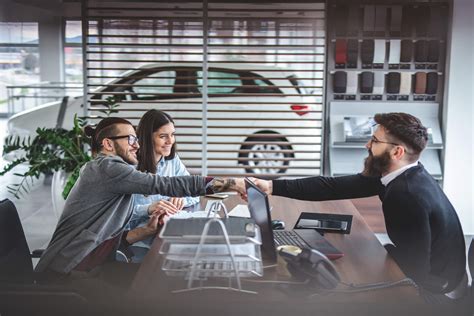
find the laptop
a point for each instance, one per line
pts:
(259, 208)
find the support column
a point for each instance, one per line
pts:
(458, 116)
(51, 59)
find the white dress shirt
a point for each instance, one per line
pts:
(392, 175)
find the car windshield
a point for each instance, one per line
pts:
(298, 84)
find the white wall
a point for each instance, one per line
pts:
(459, 115)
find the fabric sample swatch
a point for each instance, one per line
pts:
(379, 79)
(369, 18)
(432, 83)
(366, 82)
(420, 83)
(395, 19)
(351, 82)
(393, 82)
(340, 82)
(394, 53)
(352, 51)
(379, 51)
(421, 51)
(367, 51)
(406, 51)
(341, 51)
(405, 83)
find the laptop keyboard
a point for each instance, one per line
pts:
(286, 237)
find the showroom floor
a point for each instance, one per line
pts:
(36, 211)
(35, 208)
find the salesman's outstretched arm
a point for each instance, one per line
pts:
(324, 188)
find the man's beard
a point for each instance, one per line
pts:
(123, 154)
(375, 166)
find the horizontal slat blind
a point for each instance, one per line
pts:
(265, 79)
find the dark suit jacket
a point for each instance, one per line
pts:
(421, 222)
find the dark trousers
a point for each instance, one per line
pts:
(105, 288)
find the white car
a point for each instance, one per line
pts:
(260, 119)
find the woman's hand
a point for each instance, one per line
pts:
(178, 202)
(162, 207)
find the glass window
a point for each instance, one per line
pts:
(73, 49)
(73, 33)
(73, 64)
(19, 64)
(263, 86)
(19, 33)
(159, 83)
(220, 82)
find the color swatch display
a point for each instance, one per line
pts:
(392, 52)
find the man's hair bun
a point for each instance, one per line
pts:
(89, 131)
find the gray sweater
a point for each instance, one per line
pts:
(100, 205)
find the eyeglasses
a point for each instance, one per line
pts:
(132, 139)
(374, 139)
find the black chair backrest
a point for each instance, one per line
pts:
(15, 259)
(470, 258)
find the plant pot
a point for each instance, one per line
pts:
(57, 186)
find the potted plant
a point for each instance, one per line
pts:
(51, 150)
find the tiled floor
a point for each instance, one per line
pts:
(35, 208)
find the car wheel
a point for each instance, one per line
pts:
(264, 155)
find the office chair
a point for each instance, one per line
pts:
(465, 305)
(470, 261)
(20, 292)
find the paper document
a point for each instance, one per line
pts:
(240, 210)
(193, 214)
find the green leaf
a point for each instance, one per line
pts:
(51, 150)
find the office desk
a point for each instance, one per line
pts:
(365, 261)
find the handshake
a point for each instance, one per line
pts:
(218, 185)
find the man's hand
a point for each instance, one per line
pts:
(146, 231)
(163, 207)
(163, 219)
(151, 227)
(178, 202)
(228, 184)
(264, 185)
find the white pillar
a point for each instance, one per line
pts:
(458, 115)
(51, 59)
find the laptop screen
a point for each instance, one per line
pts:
(260, 212)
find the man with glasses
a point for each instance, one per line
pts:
(92, 225)
(428, 242)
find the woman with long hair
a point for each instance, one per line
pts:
(157, 154)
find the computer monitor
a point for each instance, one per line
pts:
(260, 212)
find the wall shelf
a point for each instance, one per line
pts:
(398, 24)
